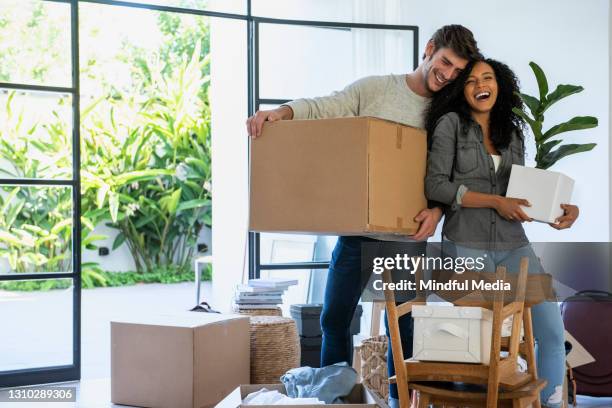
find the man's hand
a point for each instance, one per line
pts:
(254, 124)
(429, 219)
(570, 214)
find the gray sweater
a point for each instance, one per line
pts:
(386, 97)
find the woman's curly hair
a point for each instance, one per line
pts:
(503, 120)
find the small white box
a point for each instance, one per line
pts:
(546, 190)
(452, 333)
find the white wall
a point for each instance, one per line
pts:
(228, 97)
(569, 40)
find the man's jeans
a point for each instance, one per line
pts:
(345, 283)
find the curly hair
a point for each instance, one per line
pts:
(503, 120)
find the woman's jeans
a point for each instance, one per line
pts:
(346, 281)
(546, 316)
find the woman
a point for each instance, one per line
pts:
(474, 138)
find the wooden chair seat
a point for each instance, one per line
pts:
(473, 373)
(467, 394)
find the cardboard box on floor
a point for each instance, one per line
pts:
(360, 397)
(346, 176)
(178, 360)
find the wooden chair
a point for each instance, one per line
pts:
(497, 384)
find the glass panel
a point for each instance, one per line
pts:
(145, 131)
(35, 43)
(283, 248)
(310, 287)
(35, 229)
(327, 59)
(35, 135)
(351, 11)
(39, 330)
(222, 6)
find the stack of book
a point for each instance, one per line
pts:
(262, 293)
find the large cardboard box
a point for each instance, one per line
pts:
(178, 360)
(347, 176)
(360, 397)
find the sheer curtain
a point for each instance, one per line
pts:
(381, 51)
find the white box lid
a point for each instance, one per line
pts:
(451, 312)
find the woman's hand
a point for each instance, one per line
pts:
(570, 213)
(510, 208)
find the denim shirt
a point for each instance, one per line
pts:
(458, 162)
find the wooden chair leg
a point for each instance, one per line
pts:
(531, 359)
(423, 400)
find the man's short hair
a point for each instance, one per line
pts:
(457, 38)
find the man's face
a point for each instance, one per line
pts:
(442, 66)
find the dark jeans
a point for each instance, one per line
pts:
(345, 283)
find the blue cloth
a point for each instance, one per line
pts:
(328, 384)
(346, 281)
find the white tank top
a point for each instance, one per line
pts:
(496, 160)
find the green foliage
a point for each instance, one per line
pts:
(152, 172)
(110, 279)
(145, 150)
(545, 156)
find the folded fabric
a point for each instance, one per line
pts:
(267, 397)
(328, 383)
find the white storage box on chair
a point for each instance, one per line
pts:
(452, 333)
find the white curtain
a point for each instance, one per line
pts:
(377, 51)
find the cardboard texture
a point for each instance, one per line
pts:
(578, 356)
(178, 360)
(544, 189)
(360, 397)
(346, 176)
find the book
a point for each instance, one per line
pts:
(272, 282)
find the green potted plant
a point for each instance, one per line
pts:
(546, 190)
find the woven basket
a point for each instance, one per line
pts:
(275, 348)
(374, 365)
(273, 311)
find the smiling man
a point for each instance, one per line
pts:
(399, 98)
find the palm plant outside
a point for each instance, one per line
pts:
(145, 153)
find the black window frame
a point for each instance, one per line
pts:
(72, 372)
(255, 265)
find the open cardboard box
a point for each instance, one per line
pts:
(360, 397)
(345, 176)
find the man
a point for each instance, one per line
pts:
(402, 99)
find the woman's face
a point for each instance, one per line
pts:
(480, 88)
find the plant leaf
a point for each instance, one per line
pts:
(565, 150)
(532, 103)
(542, 81)
(119, 240)
(559, 93)
(113, 202)
(187, 205)
(576, 123)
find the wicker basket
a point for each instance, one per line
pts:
(275, 348)
(374, 365)
(273, 311)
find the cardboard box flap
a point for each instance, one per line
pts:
(359, 397)
(314, 165)
(179, 319)
(397, 156)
